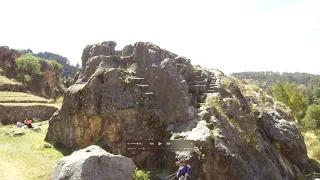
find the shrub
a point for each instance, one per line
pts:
(312, 118)
(27, 67)
(196, 68)
(215, 102)
(141, 175)
(292, 96)
(57, 67)
(132, 69)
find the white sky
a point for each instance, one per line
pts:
(231, 35)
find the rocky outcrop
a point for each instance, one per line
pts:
(146, 92)
(49, 79)
(94, 163)
(236, 143)
(7, 61)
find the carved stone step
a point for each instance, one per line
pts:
(200, 87)
(149, 93)
(135, 80)
(200, 78)
(210, 91)
(143, 87)
(200, 82)
(197, 73)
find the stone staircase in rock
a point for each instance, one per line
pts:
(207, 84)
(144, 88)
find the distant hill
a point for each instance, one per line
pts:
(267, 79)
(69, 70)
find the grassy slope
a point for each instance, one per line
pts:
(5, 80)
(7, 96)
(312, 140)
(25, 157)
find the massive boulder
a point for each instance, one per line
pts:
(94, 163)
(146, 92)
(119, 98)
(7, 61)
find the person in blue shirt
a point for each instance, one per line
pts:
(184, 171)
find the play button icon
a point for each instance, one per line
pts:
(159, 143)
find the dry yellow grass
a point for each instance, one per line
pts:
(5, 80)
(16, 97)
(30, 104)
(313, 144)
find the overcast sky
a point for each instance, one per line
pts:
(231, 35)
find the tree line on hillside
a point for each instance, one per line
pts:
(310, 83)
(299, 91)
(69, 70)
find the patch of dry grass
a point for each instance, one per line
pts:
(5, 80)
(16, 97)
(30, 104)
(25, 157)
(312, 140)
(59, 100)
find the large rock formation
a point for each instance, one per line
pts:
(94, 163)
(145, 92)
(7, 61)
(49, 80)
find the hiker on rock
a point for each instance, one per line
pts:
(184, 171)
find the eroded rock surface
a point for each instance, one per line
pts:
(145, 92)
(7, 61)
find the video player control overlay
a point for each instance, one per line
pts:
(160, 145)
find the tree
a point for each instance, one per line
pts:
(57, 67)
(292, 96)
(28, 66)
(280, 93)
(312, 118)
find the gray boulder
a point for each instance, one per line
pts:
(13, 133)
(286, 137)
(94, 163)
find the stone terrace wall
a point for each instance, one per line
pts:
(11, 113)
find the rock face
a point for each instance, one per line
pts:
(7, 61)
(94, 163)
(49, 79)
(146, 92)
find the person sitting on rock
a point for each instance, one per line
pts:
(29, 125)
(19, 124)
(26, 121)
(183, 171)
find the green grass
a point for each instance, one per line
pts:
(16, 97)
(59, 100)
(25, 157)
(312, 140)
(5, 80)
